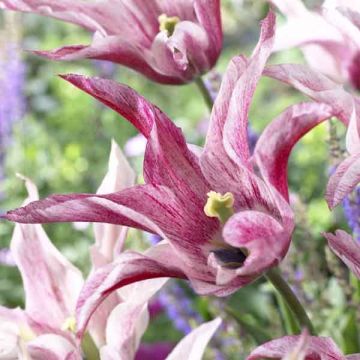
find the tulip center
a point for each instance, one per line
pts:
(231, 258)
(219, 206)
(69, 324)
(168, 23)
(26, 334)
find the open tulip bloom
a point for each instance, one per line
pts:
(169, 41)
(223, 214)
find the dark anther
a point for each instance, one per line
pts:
(231, 258)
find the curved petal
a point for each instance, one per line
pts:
(316, 86)
(344, 180)
(209, 16)
(109, 239)
(67, 10)
(322, 348)
(192, 346)
(346, 248)
(129, 320)
(274, 146)
(114, 48)
(228, 123)
(128, 268)
(261, 236)
(53, 347)
(51, 282)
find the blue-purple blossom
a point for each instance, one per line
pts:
(12, 104)
(351, 205)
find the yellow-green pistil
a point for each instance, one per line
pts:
(69, 324)
(220, 206)
(168, 23)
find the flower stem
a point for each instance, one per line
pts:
(274, 276)
(205, 92)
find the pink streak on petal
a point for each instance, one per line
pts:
(344, 180)
(346, 248)
(274, 146)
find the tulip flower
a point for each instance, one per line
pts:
(52, 285)
(224, 215)
(45, 329)
(331, 34)
(300, 347)
(344, 105)
(169, 41)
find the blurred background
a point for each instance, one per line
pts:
(60, 138)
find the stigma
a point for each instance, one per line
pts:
(69, 324)
(168, 23)
(219, 206)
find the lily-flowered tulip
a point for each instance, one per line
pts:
(46, 328)
(344, 106)
(52, 286)
(224, 215)
(331, 34)
(300, 347)
(169, 41)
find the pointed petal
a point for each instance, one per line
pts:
(316, 86)
(132, 318)
(126, 324)
(66, 10)
(228, 124)
(317, 348)
(346, 248)
(115, 48)
(109, 238)
(209, 16)
(192, 346)
(344, 180)
(263, 238)
(44, 271)
(168, 161)
(53, 347)
(128, 268)
(274, 146)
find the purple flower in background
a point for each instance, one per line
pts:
(12, 72)
(179, 308)
(351, 205)
(6, 257)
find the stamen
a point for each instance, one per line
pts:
(26, 334)
(69, 324)
(168, 24)
(220, 206)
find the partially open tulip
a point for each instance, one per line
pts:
(169, 41)
(329, 38)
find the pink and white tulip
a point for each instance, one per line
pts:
(329, 38)
(216, 256)
(169, 41)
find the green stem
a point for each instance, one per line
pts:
(274, 276)
(205, 92)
